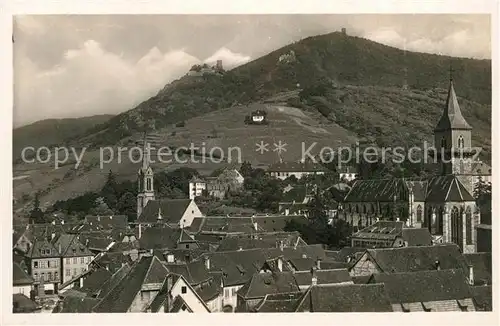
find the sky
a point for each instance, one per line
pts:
(82, 65)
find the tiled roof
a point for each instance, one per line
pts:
(210, 289)
(345, 298)
(40, 247)
(194, 272)
(387, 230)
(414, 259)
(483, 297)
(69, 246)
(452, 117)
(260, 240)
(262, 284)
(112, 261)
(171, 210)
(178, 304)
(324, 276)
(23, 304)
(243, 224)
(119, 299)
(447, 188)
(114, 280)
(424, 286)
(94, 280)
(75, 305)
(239, 266)
(20, 276)
(482, 267)
(378, 190)
(282, 302)
(417, 236)
(159, 236)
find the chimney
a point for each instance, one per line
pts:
(287, 211)
(111, 217)
(52, 236)
(397, 219)
(98, 219)
(280, 265)
(62, 222)
(81, 282)
(314, 279)
(471, 275)
(60, 249)
(318, 263)
(207, 262)
(151, 252)
(438, 265)
(140, 230)
(255, 226)
(281, 245)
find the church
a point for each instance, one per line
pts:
(443, 203)
(150, 211)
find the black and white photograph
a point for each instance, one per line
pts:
(235, 163)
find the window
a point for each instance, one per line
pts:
(187, 246)
(68, 272)
(55, 263)
(35, 264)
(42, 276)
(468, 226)
(419, 213)
(56, 276)
(226, 293)
(461, 142)
(183, 290)
(148, 184)
(48, 264)
(443, 142)
(68, 261)
(36, 276)
(233, 292)
(82, 260)
(49, 276)
(75, 260)
(74, 272)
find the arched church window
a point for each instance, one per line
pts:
(461, 142)
(443, 142)
(468, 226)
(419, 213)
(148, 184)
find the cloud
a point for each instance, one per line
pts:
(463, 43)
(229, 59)
(91, 80)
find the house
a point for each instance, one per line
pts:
(262, 284)
(22, 282)
(481, 172)
(176, 296)
(257, 117)
(409, 259)
(284, 170)
(345, 298)
(135, 291)
(20, 239)
(216, 185)
(75, 257)
(296, 200)
(178, 212)
(161, 236)
(434, 290)
(238, 267)
(386, 234)
(44, 265)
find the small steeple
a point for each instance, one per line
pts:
(145, 154)
(452, 117)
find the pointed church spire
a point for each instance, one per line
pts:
(145, 154)
(452, 117)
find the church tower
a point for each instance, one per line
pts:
(452, 140)
(145, 180)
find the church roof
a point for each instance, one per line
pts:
(171, 210)
(447, 189)
(452, 117)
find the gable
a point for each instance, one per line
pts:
(364, 266)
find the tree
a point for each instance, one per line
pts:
(109, 191)
(246, 169)
(127, 205)
(101, 208)
(36, 215)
